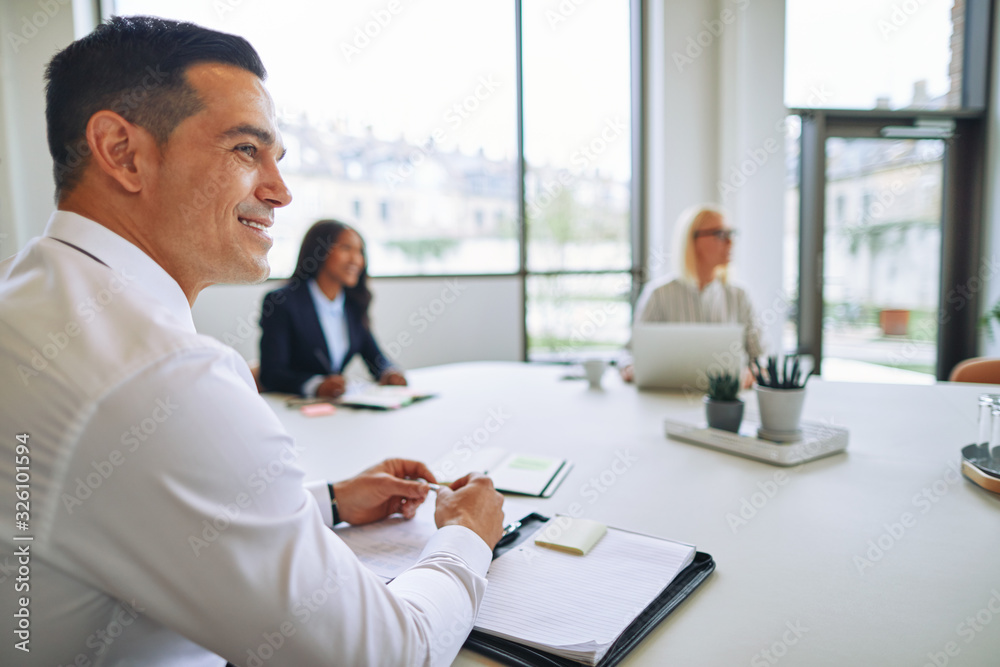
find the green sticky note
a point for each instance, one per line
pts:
(529, 463)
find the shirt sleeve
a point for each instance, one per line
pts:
(203, 520)
(751, 333)
(310, 386)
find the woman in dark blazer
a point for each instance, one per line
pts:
(313, 326)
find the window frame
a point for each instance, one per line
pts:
(636, 234)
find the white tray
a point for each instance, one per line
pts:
(818, 440)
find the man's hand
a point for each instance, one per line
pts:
(474, 503)
(332, 387)
(393, 377)
(385, 489)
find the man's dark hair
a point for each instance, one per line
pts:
(134, 66)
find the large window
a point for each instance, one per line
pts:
(868, 54)
(413, 123)
(887, 202)
(577, 148)
(398, 119)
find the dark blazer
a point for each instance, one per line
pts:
(293, 347)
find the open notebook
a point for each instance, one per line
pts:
(524, 474)
(575, 607)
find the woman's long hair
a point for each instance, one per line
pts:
(686, 258)
(316, 245)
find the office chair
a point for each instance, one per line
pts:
(981, 370)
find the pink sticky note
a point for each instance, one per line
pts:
(318, 409)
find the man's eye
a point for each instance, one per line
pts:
(248, 149)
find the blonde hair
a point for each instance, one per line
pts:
(687, 224)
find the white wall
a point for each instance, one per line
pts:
(720, 116)
(417, 321)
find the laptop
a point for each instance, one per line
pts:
(680, 355)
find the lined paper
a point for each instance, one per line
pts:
(576, 606)
(568, 605)
(392, 545)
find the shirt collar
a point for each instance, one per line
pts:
(122, 257)
(333, 306)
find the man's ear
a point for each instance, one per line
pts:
(119, 148)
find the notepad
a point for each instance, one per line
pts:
(550, 601)
(577, 607)
(525, 474)
(575, 536)
(378, 397)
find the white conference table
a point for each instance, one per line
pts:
(789, 587)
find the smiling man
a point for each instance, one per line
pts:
(170, 521)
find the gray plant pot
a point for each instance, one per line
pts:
(725, 415)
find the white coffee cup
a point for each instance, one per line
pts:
(594, 369)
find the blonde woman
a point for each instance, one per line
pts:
(703, 241)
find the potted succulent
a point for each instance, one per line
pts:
(723, 408)
(781, 391)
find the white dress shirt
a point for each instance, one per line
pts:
(171, 525)
(333, 322)
(681, 301)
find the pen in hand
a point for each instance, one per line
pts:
(433, 487)
(510, 531)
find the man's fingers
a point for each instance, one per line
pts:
(462, 481)
(411, 489)
(408, 469)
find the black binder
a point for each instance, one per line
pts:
(518, 655)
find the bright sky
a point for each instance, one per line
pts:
(405, 75)
(858, 50)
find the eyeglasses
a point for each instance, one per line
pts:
(721, 234)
